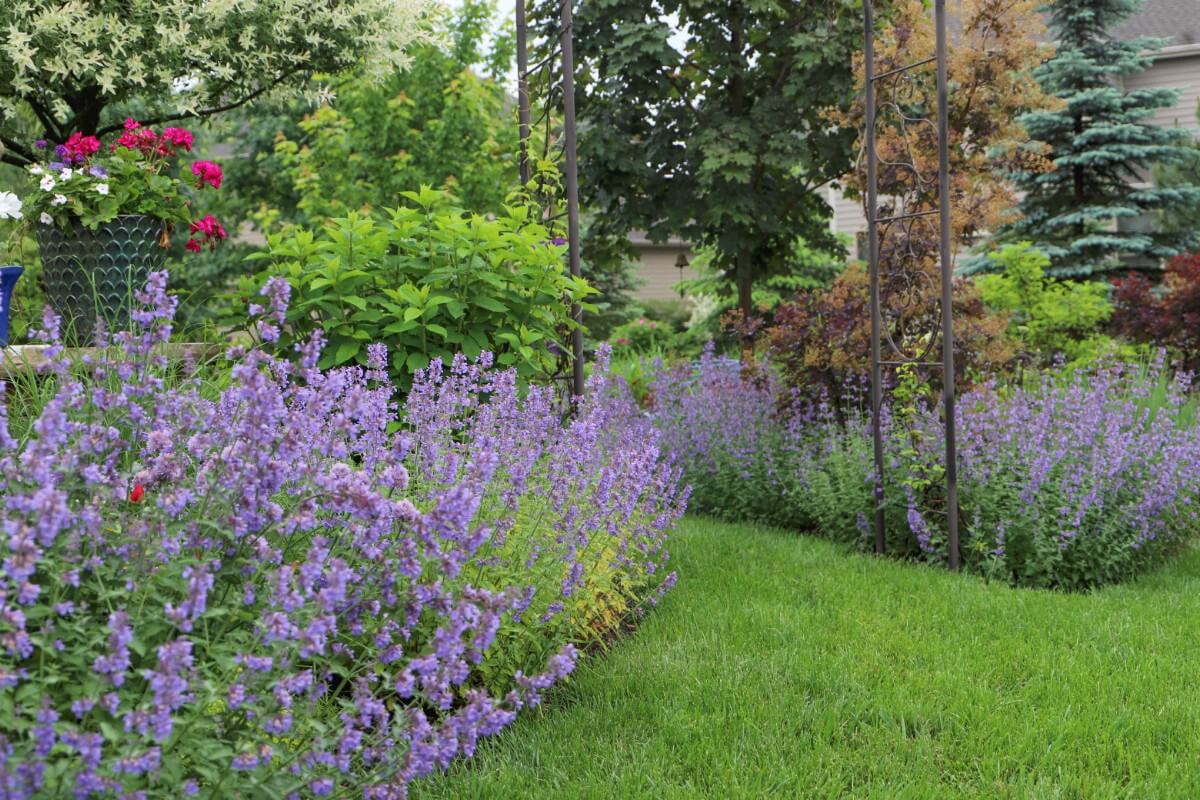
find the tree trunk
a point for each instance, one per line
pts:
(86, 104)
(745, 302)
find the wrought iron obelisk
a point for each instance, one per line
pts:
(878, 226)
(566, 52)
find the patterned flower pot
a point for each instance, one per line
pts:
(92, 275)
(8, 280)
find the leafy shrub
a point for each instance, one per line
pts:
(806, 267)
(257, 588)
(1050, 318)
(1082, 480)
(641, 336)
(821, 340)
(672, 313)
(428, 281)
(1166, 315)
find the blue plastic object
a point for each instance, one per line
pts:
(8, 280)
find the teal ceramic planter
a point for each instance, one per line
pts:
(91, 276)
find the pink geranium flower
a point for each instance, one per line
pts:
(208, 172)
(178, 137)
(80, 147)
(208, 227)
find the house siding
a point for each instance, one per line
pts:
(847, 214)
(1181, 74)
(657, 273)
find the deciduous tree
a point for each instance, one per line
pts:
(712, 129)
(67, 65)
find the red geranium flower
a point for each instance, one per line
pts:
(80, 146)
(212, 231)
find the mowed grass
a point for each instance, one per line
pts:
(783, 666)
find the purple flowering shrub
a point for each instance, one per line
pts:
(1084, 479)
(1081, 480)
(267, 586)
(751, 449)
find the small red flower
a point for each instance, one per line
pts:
(193, 246)
(137, 494)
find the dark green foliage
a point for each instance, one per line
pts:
(720, 141)
(428, 281)
(610, 267)
(1100, 142)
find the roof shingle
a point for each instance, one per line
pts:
(1175, 20)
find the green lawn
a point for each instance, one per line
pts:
(781, 666)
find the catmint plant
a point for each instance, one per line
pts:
(1082, 478)
(288, 582)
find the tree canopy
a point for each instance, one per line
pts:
(1102, 148)
(65, 65)
(713, 131)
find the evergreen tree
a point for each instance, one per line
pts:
(1100, 143)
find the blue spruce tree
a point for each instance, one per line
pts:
(1101, 144)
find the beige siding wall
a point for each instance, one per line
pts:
(1183, 74)
(658, 274)
(847, 214)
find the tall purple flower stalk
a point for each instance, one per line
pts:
(290, 584)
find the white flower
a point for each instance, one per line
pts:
(59, 200)
(66, 174)
(48, 183)
(46, 219)
(10, 206)
(102, 188)
(36, 169)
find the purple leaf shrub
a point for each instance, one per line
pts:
(287, 583)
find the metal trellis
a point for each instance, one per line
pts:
(563, 50)
(896, 85)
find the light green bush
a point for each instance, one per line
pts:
(429, 281)
(1050, 317)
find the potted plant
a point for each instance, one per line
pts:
(10, 208)
(103, 218)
